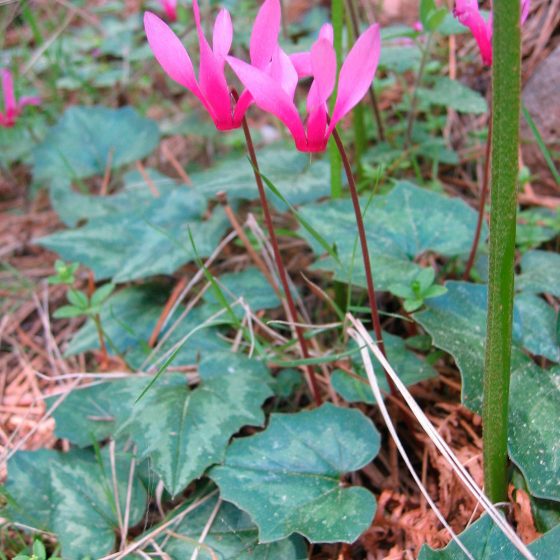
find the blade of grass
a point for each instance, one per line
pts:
(541, 144)
(308, 227)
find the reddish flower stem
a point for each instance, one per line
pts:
(365, 252)
(279, 263)
(481, 204)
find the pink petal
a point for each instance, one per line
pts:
(8, 91)
(525, 8)
(223, 34)
(357, 73)
(269, 96)
(169, 52)
(282, 71)
(467, 12)
(264, 36)
(302, 60)
(327, 32)
(323, 62)
(212, 79)
(316, 130)
(302, 63)
(170, 7)
(244, 102)
(23, 101)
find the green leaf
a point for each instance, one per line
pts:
(249, 283)
(457, 323)
(101, 294)
(93, 413)
(29, 476)
(533, 431)
(398, 230)
(434, 291)
(296, 176)
(486, 542)
(142, 241)
(540, 273)
(400, 59)
(128, 319)
(455, 95)
(538, 326)
(436, 18)
(410, 368)
(86, 139)
(78, 299)
(197, 424)
(232, 536)
(426, 7)
(39, 550)
(411, 305)
(135, 196)
(68, 312)
(288, 477)
(71, 495)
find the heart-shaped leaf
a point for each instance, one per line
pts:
(398, 230)
(184, 431)
(232, 536)
(72, 495)
(288, 477)
(88, 139)
(457, 323)
(486, 542)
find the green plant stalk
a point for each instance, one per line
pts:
(414, 101)
(506, 91)
(337, 17)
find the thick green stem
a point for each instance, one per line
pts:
(337, 17)
(506, 89)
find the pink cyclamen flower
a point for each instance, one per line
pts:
(12, 108)
(170, 7)
(467, 12)
(274, 91)
(211, 88)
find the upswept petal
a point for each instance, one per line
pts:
(467, 12)
(170, 7)
(327, 32)
(10, 105)
(525, 7)
(170, 53)
(264, 37)
(302, 63)
(357, 73)
(28, 100)
(223, 34)
(269, 96)
(212, 79)
(282, 71)
(323, 64)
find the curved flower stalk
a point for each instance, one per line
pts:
(211, 88)
(273, 91)
(468, 13)
(12, 108)
(170, 8)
